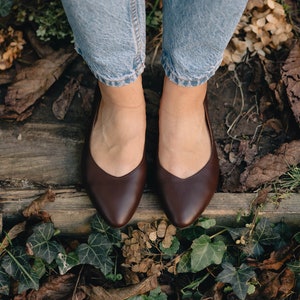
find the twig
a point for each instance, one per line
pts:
(239, 116)
(77, 283)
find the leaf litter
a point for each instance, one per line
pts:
(145, 264)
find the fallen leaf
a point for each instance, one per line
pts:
(32, 82)
(291, 78)
(99, 293)
(262, 196)
(62, 103)
(36, 205)
(275, 261)
(271, 166)
(13, 233)
(287, 280)
(161, 228)
(56, 288)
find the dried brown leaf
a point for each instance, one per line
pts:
(161, 228)
(32, 82)
(56, 288)
(276, 259)
(287, 280)
(62, 103)
(271, 166)
(38, 204)
(291, 78)
(262, 196)
(13, 233)
(98, 293)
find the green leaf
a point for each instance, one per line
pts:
(5, 7)
(297, 237)
(236, 233)
(39, 267)
(205, 252)
(96, 252)
(155, 294)
(193, 286)
(40, 244)
(264, 235)
(184, 265)
(192, 232)
(65, 262)
(237, 278)
(113, 234)
(294, 266)
(4, 282)
(206, 223)
(173, 249)
(16, 264)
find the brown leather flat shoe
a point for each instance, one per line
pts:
(115, 198)
(185, 199)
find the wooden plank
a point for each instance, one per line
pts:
(43, 153)
(72, 209)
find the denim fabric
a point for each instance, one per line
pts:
(110, 36)
(196, 33)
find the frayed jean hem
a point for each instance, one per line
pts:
(188, 82)
(118, 82)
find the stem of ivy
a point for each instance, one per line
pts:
(218, 233)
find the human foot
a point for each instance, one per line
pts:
(118, 137)
(188, 164)
(184, 140)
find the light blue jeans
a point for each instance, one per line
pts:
(110, 36)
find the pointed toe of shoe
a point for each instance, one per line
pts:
(115, 198)
(185, 199)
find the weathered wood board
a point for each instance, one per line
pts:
(72, 210)
(43, 153)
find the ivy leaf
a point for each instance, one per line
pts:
(294, 266)
(236, 233)
(65, 262)
(39, 242)
(205, 252)
(237, 278)
(297, 237)
(171, 250)
(264, 235)
(4, 282)
(206, 223)
(5, 7)
(96, 253)
(39, 267)
(16, 264)
(113, 234)
(184, 265)
(192, 232)
(155, 294)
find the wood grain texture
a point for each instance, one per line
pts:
(72, 209)
(44, 153)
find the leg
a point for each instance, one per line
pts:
(196, 34)
(192, 51)
(111, 38)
